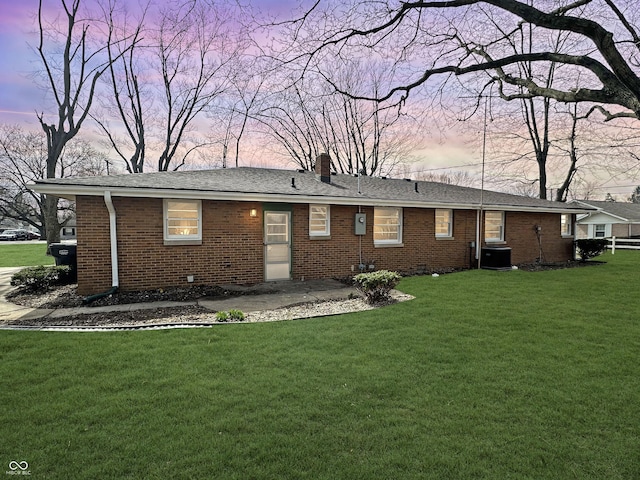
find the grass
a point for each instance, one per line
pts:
(485, 375)
(24, 254)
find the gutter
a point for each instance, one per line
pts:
(114, 252)
(70, 193)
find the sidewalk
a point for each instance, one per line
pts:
(265, 296)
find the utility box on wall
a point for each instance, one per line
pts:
(361, 224)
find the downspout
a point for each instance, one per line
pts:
(114, 252)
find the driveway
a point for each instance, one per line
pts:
(5, 280)
(10, 310)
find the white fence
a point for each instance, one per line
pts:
(623, 244)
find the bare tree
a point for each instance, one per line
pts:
(432, 34)
(23, 160)
(185, 60)
(507, 43)
(572, 151)
(310, 118)
(290, 117)
(450, 177)
(72, 52)
(232, 115)
(131, 101)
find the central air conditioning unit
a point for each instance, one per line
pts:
(496, 258)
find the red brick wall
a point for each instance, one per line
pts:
(92, 234)
(520, 235)
(231, 249)
(335, 257)
(232, 244)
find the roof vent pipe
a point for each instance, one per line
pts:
(293, 182)
(415, 187)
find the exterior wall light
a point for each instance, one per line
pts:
(253, 213)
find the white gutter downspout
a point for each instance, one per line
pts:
(114, 239)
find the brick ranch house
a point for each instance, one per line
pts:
(251, 225)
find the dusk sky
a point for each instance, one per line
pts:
(20, 97)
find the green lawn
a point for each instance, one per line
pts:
(24, 254)
(485, 375)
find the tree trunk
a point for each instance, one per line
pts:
(51, 222)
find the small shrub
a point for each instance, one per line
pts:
(236, 315)
(376, 286)
(230, 316)
(590, 247)
(42, 278)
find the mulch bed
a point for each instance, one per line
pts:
(67, 296)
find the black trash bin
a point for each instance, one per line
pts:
(496, 258)
(64, 253)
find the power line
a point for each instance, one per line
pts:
(479, 164)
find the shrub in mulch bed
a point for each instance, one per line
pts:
(41, 278)
(377, 286)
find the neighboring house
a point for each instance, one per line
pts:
(251, 225)
(610, 219)
(68, 232)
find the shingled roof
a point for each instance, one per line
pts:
(629, 212)
(295, 186)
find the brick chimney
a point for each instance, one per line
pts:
(323, 167)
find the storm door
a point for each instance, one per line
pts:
(277, 245)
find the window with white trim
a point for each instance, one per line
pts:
(493, 226)
(565, 225)
(600, 230)
(444, 223)
(319, 221)
(387, 226)
(182, 220)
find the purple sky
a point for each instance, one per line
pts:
(19, 97)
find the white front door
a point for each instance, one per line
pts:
(277, 245)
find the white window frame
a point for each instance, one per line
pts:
(604, 230)
(182, 238)
(322, 214)
(501, 226)
(448, 223)
(566, 225)
(380, 213)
